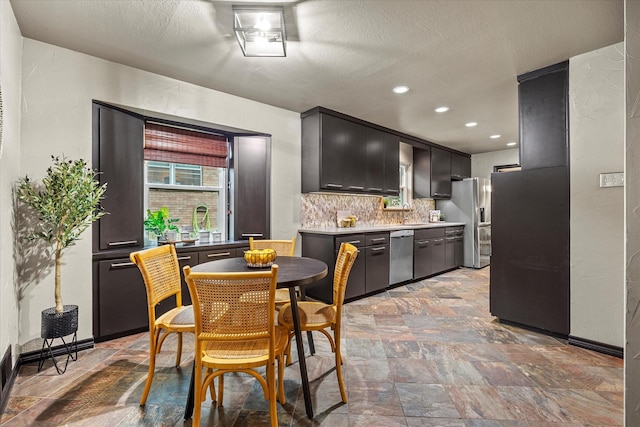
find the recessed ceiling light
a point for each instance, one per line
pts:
(442, 109)
(510, 144)
(495, 136)
(471, 124)
(401, 89)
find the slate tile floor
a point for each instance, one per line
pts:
(424, 354)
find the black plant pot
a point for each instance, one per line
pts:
(59, 325)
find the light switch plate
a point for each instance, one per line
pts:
(612, 179)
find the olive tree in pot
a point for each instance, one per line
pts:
(66, 203)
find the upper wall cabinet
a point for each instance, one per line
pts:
(342, 155)
(543, 98)
(118, 151)
(382, 162)
(421, 173)
(460, 167)
(440, 173)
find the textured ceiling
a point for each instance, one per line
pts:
(347, 55)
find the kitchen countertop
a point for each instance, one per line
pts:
(374, 228)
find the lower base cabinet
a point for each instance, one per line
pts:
(377, 261)
(120, 296)
(428, 252)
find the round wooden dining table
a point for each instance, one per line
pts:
(293, 272)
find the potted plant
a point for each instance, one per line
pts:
(66, 203)
(159, 223)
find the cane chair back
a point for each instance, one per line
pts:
(161, 274)
(318, 316)
(236, 332)
(282, 247)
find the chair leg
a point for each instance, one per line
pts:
(179, 354)
(281, 396)
(153, 339)
(197, 399)
(343, 392)
(220, 389)
(271, 381)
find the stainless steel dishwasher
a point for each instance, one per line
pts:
(400, 256)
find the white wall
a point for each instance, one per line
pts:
(482, 164)
(58, 87)
(10, 81)
(596, 129)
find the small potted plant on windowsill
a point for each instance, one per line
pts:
(159, 223)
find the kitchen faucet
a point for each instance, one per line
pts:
(408, 206)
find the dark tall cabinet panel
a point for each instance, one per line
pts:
(252, 187)
(421, 173)
(530, 251)
(118, 155)
(391, 165)
(375, 146)
(440, 173)
(544, 127)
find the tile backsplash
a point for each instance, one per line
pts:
(319, 210)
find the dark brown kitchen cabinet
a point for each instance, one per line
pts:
(428, 252)
(333, 153)
(184, 259)
(117, 153)
(421, 173)
(382, 162)
(251, 170)
(454, 247)
(215, 254)
(544, 133)
(356, 285)
(120, 300)
(440, 173)
(460, 167)
(377, 262)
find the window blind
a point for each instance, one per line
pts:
(177, 145)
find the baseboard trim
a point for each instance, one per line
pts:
(558, 335)
(9, 375)
(59, 350)
(611, 350)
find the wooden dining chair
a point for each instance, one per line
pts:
(282, 247)
(235, 333)
(161, 273)
(318, 316)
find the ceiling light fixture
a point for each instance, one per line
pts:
(442, 109)
(260, 31)
(401, 89)
(495, 136)
(511, 144)
(471, 124)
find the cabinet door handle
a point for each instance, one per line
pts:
(422, 242)
(442, 194)
(184, 258)
(122, 264)
(438, 241)
(379, 239)
(127, 242)
(219, 254)
(378, 249)
(333, 185)
(355, 187)
(451, 238)
(374, 189)
(252, 235)
(391, 191)
(354, 242)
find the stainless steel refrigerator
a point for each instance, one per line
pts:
(471, 203)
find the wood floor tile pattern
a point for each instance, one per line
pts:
(425, 354)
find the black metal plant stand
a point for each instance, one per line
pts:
(59, 325)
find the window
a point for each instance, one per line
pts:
(174, 173)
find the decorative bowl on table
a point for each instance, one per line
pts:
(259, 258)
